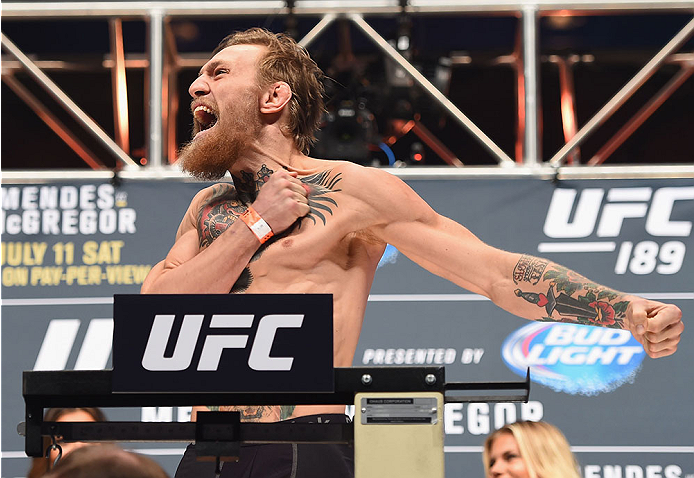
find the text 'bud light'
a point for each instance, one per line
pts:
(572, 358)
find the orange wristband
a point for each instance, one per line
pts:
(257, 225)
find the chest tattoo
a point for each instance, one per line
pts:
(320, 186)
(228, 201)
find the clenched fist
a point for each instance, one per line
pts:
(655, 325)
(282, 200)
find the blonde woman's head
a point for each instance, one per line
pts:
(528, 450)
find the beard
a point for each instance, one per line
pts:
(211, 155)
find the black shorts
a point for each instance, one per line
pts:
(279, 460)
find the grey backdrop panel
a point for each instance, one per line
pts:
(640, 429)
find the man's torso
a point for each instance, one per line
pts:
(328, 251)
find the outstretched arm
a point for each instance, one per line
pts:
(563, 295)
(527, 286)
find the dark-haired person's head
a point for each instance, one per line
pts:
(39, 466)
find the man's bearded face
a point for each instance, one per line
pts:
(219, 137)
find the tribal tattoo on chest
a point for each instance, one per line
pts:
(320, 186)
(228, 201)
(570, 297)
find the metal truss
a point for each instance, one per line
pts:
(162, 62)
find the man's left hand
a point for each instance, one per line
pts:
(655, 325)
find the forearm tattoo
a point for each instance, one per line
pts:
(569, 297)
(228, 201)
(529, 269)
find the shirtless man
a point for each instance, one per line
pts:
(256, 105)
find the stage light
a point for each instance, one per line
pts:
(416, 152)
(346, 133)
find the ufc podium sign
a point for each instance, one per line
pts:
(223, 343)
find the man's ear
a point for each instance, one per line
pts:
(275, 97)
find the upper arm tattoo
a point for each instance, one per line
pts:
(570, 297)
(218, 213)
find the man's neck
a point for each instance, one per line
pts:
(270, 151)
(249, 181)
(254, 170)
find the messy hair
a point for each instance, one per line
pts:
(287, 61)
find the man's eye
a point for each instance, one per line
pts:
(220, 71)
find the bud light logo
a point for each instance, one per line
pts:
(572, 358)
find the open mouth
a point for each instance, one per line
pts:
(205, 118)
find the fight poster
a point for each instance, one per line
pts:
(69, 246)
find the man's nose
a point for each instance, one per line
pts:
(199, 87)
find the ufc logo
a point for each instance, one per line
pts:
(622, 203)
(214, 345)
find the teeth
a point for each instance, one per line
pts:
(205, 117)
(205, 109)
